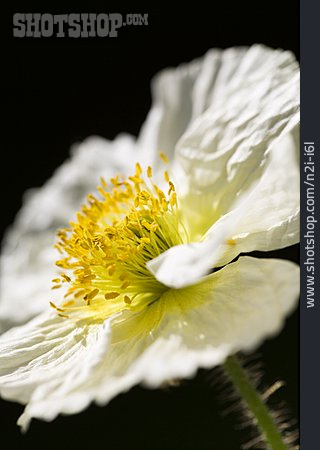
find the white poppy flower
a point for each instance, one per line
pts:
(141, 302)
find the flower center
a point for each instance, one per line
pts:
(107, 248)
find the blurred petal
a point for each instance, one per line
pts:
(27, 259)
(58, 366)
(27, 268)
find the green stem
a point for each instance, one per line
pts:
(255, 404)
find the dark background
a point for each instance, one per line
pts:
(59, 91)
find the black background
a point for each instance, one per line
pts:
(59, 91)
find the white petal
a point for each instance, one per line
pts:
(59, 366)
(271, 214)
(27, 260)
(224, 152)
(236, 163)
(27, 268)
(265, 219)
(233, 309)
(45, 361)
(181, 94)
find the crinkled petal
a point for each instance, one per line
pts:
(264, 219)
(27, 260)
(182, 94)
(271, 218)
(59, 366)
(224, 152)
(229, 180)
(45, 361)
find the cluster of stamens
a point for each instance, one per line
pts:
(107, 247)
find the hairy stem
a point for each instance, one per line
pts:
(255, 404)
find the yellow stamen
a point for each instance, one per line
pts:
(138, 169)
(164, 158)
(111, 295)
(107, 248)
(103, 182)
(125, 285)
(66, 278)
(56, 280)
(173, 199)
(69, 303)
(91, 294)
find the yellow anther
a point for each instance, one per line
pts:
(66, 278)
(125, 285)
(149, 172)
(88, 277)
(111, 295)
(115, 181)
(79, 271)
(62, 263)
(59, 248)
(136, 180)
(91, 294)
(79, 293)
(164, 158)
(173, 199)
(56, 286)
(103, 182)
(155, 204)
(145, 195)
(56, 280)
(164, 204)
(166, 176)
(101, 191)
(160, 194)
(69, 303)
(231, 242)
(136, 201)
(92, 199)
(171, 187)
(56, 307)
(123, 276)
(138, 169)
(127, 299)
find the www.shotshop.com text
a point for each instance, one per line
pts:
(308, 173)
